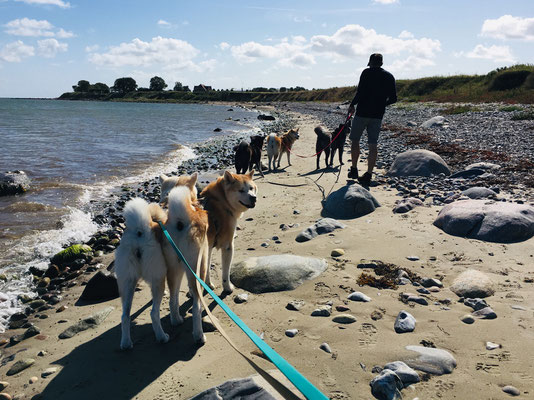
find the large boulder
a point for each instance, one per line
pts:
(325, 225)
(276, 273)
(13, 182)
(349, 202)
(418, 163)
(491, 221)
(473, 284)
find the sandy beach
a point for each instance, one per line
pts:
(90, 364)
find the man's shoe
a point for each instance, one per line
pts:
(365, 179)
(353, 173)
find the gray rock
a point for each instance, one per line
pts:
(479, 193)
(468, 174)
(418, 163)
(276, 273)
(484, 166)
(491, 221)
(359, 296)
(429, 282)
(344, 319)
(472, 284)
(323, 311)
(349, 202)
(417, 299)
(405, 205)
(468, 319)
(324, 225)
(325, 347)
(13, 182)
(431, 360)
(48, 372)
(101, 287)
(295, 305)
(89, 322)
(405, 322)
(292, 332)
(511, 390)
(406, 374)
(476, 303)
(412, 258)
(492, 346)
(434, 122)
(485, 313)
(386, 386)
(20, 365)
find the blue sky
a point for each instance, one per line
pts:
(46, 46)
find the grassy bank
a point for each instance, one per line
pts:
(510, 85)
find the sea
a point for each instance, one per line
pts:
(77, 153)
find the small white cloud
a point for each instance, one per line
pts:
(301, 19)
(16, 51)
(406, 35)
(386, 1)
(92, 49)
(509, 27)
(224, 45)
(29, 27)
(63, 34)
(412, 63)
(50, 47)
(494, 53)
(59, 3)
(162, 22)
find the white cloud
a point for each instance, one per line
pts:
(406, 35)
(224, 45)
(50, 47)
(509, 27)
(92, 49)
(164, 23)
(493, 53)
(170, 52)
(16, 51)
(301, 19)
(386, 1)
(59, 3)
(412, 63)
(34, 28)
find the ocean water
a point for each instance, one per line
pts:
(77, 152)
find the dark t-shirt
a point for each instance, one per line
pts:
(376, 90)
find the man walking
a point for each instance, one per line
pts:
(376, 90)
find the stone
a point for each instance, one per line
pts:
(479, 193)
(485, 313)
(33, 380)
(412, 258)
(344, 319)
(468, 174)
(417, 299)
(473, 284)
(434, 122)
(429, 282)
(291, 332)
(468, 319)
(20, 365)
(405, 322)
(406, 374)
(48, 372)
(87, 323)
(5, 396)
(276, 273)
(405, 205)
(359, 296)
(241, 298)
(3, 385)
(418, 163)
(325, 347)
(70, 254)
(337, 252)
(476, 303)
(492, 346)
(486, 166)
(322, 226)
(348, 202)
(386, 386)
(323, 311)
(101, 287)
(511, 390)
(431, 360)
(491, 221)
(14, 182)
(295, 305)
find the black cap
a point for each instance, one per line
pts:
(375, 60)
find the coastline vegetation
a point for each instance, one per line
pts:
(514, 85)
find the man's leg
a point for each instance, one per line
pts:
(373, 130)
(356, 130)
(371, 159)
(355, 153)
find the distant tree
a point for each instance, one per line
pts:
(299, 89)
(260, 89)
(100, 88)
(143, 89)
(273, 89)
(186, 89)
(178, 87)
(157, 84)
(124, 85)
(283, 89)
(83, 86)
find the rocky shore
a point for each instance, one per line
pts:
(375, 316)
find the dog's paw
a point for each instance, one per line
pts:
(163, 339)
(126, 344)
(177, 320)
(200, 340)
(228, 287)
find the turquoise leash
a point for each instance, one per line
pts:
(294, 376)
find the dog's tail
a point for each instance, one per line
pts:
(271, 144)
(139, 216)
(319, 131)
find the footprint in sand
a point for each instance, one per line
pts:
(369, 332)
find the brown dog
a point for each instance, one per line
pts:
(278, 145)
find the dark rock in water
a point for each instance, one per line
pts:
(87, 323)
(13, 182)
(405, 205)
(486, 220)
(386, 386)
(349, 202)
(325, 225)
(276, 273)
(101, 287)
(217, 130)
(264, 117)
(418, 163)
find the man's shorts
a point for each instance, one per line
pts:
(360, 123)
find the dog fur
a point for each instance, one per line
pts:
(169, 182)
(144, 253)
(278, 145)
(339, 142)
(322, 143)
(225, 200)
(248, 156)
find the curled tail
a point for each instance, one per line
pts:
(137, 216)
(271, 144)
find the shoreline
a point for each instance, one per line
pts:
(369, 342)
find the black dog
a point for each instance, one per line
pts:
(339, 142)
(322, 143)
(248, 156)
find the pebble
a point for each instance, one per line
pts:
(292, 332)
(423, 290)
(344, 319)
(325, 347)
(3, 385)
(418, 300)
(485, 313)
(492, 346)
(295, 305)
(412, 258)
(323, 311)
(517, 307)
(241, 298)
(359, 296)
(33, 379)
(476, 303)
(511, 390)
(342, 308)
(337, 252)
(61, 308)
(405, 322)
(428, 282)
(48, 372)
(20, 365)
(468, 319)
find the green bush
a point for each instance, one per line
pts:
(509, 80)
(526, 115)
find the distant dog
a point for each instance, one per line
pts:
(339, 142)
(225, 200)
(278, 145)
(322, 145)
(248, 156)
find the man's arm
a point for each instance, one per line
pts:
(392, 97)
(356, 98)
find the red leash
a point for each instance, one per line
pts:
(335, 137)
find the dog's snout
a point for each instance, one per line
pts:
(252, 199)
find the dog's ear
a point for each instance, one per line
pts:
(228, 177)
(162, 178)
(192, 181)
(251, 174)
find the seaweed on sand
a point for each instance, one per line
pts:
(386, 275)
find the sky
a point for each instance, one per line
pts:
(47, 46)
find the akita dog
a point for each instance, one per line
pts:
(225, 200)
(145, 253)
(278, 145)
(169, 182)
